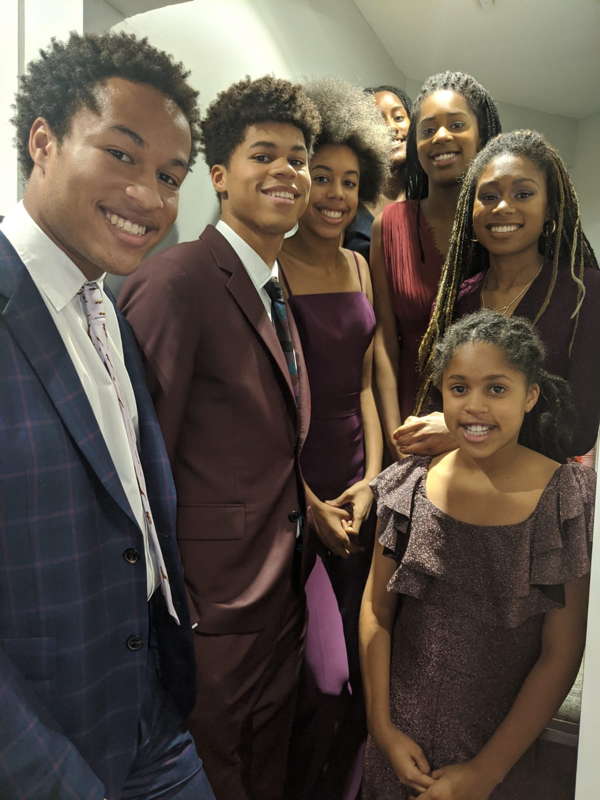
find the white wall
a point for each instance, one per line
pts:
(587, 177)
(223, 41)
(9, 69)
(99, 16)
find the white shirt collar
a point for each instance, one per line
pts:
(258, 270)
(52, 270)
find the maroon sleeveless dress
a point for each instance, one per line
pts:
(413, 266)
(335, 329)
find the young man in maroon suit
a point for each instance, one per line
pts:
(231, 393)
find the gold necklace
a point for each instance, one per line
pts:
(505, 310)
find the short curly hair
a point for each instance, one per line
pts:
(250, 102)
(63, 80)
(349, 117)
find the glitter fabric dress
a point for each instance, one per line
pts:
(468, 628)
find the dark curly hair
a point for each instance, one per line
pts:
(63, 80)
(479, 101)
(548, 427)
(349, 117)
(250, 102)
(400, 94)
(563, 243)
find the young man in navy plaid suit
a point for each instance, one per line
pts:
(96, 660)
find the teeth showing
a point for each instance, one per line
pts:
(126, 225)
(478, 428)
(331, 213)
(504, 228)
(444, 156)
(282, 195)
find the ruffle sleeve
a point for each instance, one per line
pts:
(562, 540)
(501, 575)
(394, 490)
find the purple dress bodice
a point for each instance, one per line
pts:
(335, 329)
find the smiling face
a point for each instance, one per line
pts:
(447, 136)
(264, 188)
(485, 399)
(510, 206)
(335, 175)
(109, 191)
(396, 118)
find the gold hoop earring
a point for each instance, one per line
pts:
(549, 227)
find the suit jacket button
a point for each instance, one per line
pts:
(131, 555)
(294, 516)
(135, 642)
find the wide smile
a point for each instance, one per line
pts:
(503, 228)
(332, 216)
(283, 197)
(445, 159)
(476, 432)
(127, 230)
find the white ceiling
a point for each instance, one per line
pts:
(542, 54)
(130, 7)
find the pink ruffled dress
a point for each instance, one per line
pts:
(468, 628)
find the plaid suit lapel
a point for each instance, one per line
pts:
(153, 454)
(32, 328)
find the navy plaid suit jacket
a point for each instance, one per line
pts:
(70, 687)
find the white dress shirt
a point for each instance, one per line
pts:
(259, 272)
(58, 281)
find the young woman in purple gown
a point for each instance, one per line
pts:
(517, 246)
(329, 291)
(473, 619)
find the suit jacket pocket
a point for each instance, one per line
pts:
(34, 657)
(219, 522)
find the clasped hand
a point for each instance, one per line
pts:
(464, 781)
(338, 521)
(459, 782)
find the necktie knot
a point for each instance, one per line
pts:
(93, 305)
(273, 289)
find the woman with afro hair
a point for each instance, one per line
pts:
(329, 290)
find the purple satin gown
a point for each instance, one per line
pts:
(336, 329)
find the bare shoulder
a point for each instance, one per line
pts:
(376, 226)
(538, 468)
(363, 269)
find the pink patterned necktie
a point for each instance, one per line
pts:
(93, 304)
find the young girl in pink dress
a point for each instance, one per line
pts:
(473, 617)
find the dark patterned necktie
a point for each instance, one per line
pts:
(282, 328)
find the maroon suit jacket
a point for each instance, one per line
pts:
(226, 407)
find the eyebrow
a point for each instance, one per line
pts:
(329, 169)
(485, 378)
(515, 180)
(449, 113)
(273, 146)
(139, 141)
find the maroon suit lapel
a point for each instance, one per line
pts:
(247, 298)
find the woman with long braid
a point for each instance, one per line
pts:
(517, 246)
(453, 117)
